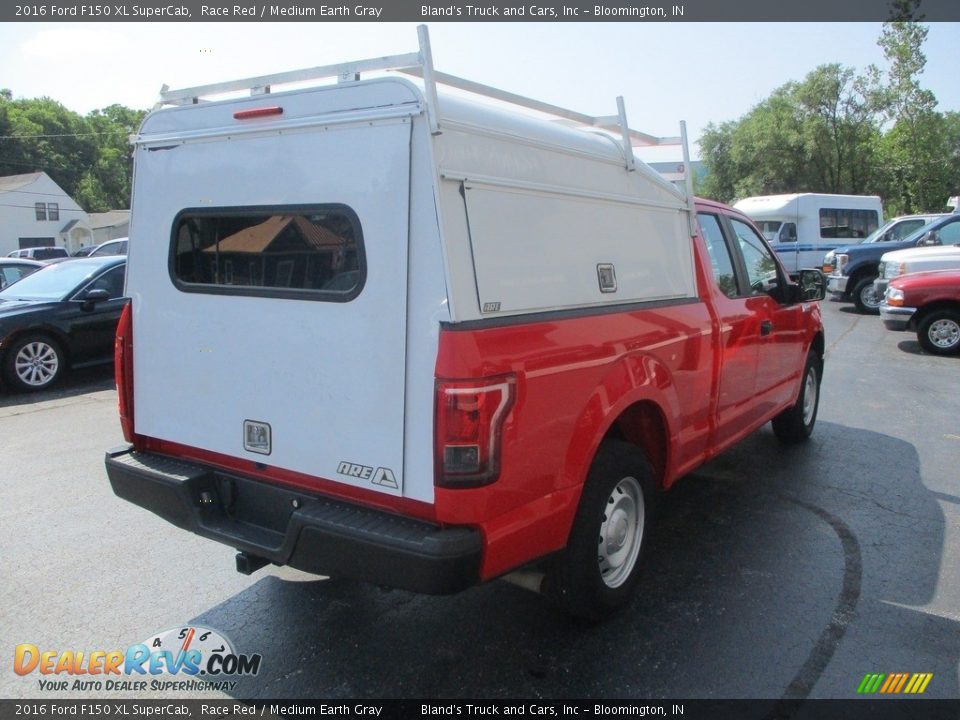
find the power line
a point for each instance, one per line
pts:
(30, 192)
(33, 207)
(57, 135)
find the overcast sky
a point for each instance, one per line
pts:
(666, 71)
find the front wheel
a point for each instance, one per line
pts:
(939, 332)
(596, 573)
(865, 298)
(33, 363)
(795, 424)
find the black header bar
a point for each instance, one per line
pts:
(481, 11)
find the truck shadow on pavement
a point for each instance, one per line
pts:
(768, 574)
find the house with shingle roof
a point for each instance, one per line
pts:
(36, 212)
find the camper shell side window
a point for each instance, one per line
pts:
(305, 252)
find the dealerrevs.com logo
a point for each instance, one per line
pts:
(199, 657)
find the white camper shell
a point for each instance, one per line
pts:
(802, 227)
(322, 236)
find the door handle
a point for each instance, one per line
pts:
(766, 327)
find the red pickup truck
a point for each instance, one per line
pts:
(426, 343)
(929, 304)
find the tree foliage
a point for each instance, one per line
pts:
(811, 136)
(88, 156)
(839, 132)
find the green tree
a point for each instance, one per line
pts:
(107, 183)
(914, 154)
(89, 157)
(817, 135)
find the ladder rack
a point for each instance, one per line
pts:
(420, 64)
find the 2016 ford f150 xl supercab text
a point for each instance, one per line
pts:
(428, 342)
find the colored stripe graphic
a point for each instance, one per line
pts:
(894, 683)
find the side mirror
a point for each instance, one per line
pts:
(92, 297)
(931, 238)
(813, 285)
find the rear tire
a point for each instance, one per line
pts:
(865, 298)
(939, 332)
(795, 424)
(33, 362)
(596, 573)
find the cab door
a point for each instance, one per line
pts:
(739, 333)
(780, 336)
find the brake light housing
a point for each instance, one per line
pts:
(123, 371)
(468, 429)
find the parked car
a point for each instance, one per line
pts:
(928, 303)
(893, 230)
(110, 247)
(84, 251)
(486, 368)
(13, 269)
(855, 267)
(921, 259)
(64, 315)
(40, 253)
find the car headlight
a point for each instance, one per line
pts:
(893, 296)
(892, 269)
(829, 262)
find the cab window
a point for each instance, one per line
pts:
(757, 259)
(720, 261)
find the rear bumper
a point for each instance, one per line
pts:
(286, 527)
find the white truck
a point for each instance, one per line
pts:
(803, 227)
(427, 342)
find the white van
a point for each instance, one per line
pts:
(802, 227)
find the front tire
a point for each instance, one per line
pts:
(939, 332)
(795, 424)
(596, 573)
(34, 362)
(865, 298)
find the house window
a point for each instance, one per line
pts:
(53, 211)
(41, 210)
(313, 252)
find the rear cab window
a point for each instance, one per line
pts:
(313, 252)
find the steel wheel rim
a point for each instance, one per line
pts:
(869, 298)
(36, 364)
(621, 532)
(944, 333)
(809, 396)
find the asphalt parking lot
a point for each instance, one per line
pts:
(772, 572)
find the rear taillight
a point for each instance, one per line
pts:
(469, 420)
(123, 370)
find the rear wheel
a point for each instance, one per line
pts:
(598, 570)
(939, 332)
(795, 424)
(33, 362)
(865, 298)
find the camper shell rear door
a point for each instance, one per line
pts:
(269, 281)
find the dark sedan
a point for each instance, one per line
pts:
(64, 315)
